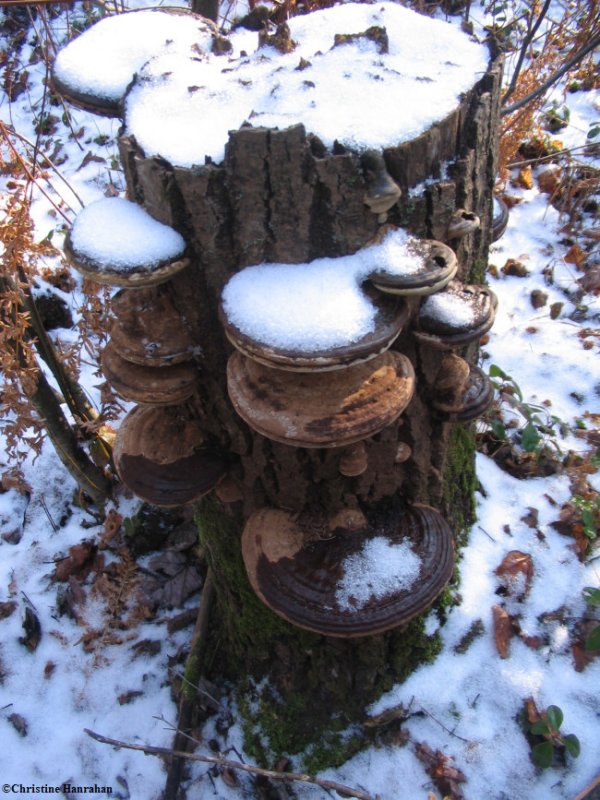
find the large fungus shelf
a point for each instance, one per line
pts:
(94, 70)
(339, 586)
(115, 242)
(389, 319)
(161, 456)
(321, 409)
(156, 385)
(148, 329)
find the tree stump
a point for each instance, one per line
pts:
(282, 196)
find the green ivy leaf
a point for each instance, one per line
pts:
(530, 438)
(571, 742)
(540, 728)
(542, 755)
(554, 717)
(496, 372)
(498, 430)
(593, 640)
(591, 595)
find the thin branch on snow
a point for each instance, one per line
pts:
(286, 777)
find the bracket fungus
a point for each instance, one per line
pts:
(461, 391)
(156, 385)
(321, 409)
(499, 217)
(357, 582)
(148, 329)
(456, 316)
(160, 454)
(389, 319)
(116, 242)
(431, 266)
(94, 70)
(462, 223)
(353, 460)
(382, 190)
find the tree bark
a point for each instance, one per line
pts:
(281, 196)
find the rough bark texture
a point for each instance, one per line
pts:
(280, 196)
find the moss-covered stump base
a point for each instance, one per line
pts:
(303, 694)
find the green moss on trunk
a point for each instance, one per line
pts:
(304, 693)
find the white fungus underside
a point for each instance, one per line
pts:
(120, 235)
(450, 309)
(314, 306)
(183, 109)
(378, 570)
(103, 60)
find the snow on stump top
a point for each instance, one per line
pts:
(368, 76)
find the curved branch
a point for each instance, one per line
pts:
(543, 87)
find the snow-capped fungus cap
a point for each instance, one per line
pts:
(456, 316)
(161, 456)
(148, 329)
(310, 326)
(462, 223)
(94, 70)
(355, 582)
(115, 242)
(321, 409)
(164, 385)
(428, 267)
(459, 397)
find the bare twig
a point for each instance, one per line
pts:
(441, 724)
(286, 777)
(543, 87)
(524, 46)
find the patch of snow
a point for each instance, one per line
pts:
(183, 109)
(121, 235)
(379, 569)
(103, 59)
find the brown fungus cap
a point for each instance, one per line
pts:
(138, 276)
(321, 409)
(156, 386)
(391, 317)
(462, 223)
(456, 316)
(499, 218)
(160, 455)
(439, 266)
(382, 191)
(298, 575)
(471, 401)
(148, 329)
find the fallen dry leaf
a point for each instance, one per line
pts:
(516, 572)
(502, 630)
(439, 767)
(575, 255)
(78, 562)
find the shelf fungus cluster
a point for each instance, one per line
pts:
(316, 364)
(160, 451)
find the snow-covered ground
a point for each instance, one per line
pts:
(88, 670)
